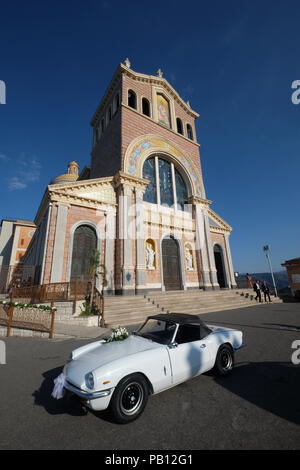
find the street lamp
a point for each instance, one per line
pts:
(266, 249)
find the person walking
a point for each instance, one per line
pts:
(266, 291)
(257, 289)
(249, 281)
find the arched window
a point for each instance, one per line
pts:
(181, 191)
(131, 99)
(84, 242)
(116, 103)
(189, 131)
(146, 107)
(166, 185)
(179, 126)
(149, 174)
(109, 114)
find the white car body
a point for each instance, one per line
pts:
(162, 365)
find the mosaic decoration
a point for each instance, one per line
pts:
(163, 111)
(145, 144)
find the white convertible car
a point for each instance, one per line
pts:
(166, 350)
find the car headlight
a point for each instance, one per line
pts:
(89, 380)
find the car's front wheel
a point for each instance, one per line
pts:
(224, 360)
(129, 399)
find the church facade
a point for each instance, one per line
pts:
(141, 202)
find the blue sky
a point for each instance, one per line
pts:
(234, 61)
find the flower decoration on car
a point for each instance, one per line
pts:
(118, 334)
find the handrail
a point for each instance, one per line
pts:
(61, 291)
(20, 316)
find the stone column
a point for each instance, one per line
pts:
(201, 246)
(126, 232)
(110, 238)
(211, 256)
(140, 273)
(230, 265)
(59, 243)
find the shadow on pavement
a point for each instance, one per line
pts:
(272, 386)
(69, 404)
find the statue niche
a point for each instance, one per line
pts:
(150, 255)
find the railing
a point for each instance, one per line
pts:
(60, 292)
(27, 316)
(56, 292)
(11, 276)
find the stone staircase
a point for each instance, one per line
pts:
(131, 310)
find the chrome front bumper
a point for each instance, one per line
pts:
(86, 395)
(240, 347)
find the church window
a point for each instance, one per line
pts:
(131, 99)
(189, 131)
(146, 107)
(181, 191)
(109, 114)
(179, 126)
(149, 174)
(166, 185)
(116, 103)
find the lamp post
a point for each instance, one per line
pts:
(266, 249)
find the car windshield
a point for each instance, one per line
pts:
(160, 331)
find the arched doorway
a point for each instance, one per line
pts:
(84, 242)
(220, 267)
(171, 264)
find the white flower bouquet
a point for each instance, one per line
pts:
(118, 334)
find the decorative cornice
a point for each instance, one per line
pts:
(221, 230)
(198, 200)
(122, 178)
(82, 201)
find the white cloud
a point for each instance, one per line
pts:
(15, 183)
(3, 157)
(28, 171)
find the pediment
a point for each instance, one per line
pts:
(97, 190)
(216, 222)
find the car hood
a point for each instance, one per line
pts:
(101, 353)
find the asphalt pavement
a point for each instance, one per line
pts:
(256, 407)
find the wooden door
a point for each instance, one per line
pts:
(171, 264)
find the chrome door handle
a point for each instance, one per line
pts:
(203, 346)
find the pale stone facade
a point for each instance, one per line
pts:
(144, 243)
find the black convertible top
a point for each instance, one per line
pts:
(180, 318)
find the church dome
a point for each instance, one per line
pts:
(69, 177)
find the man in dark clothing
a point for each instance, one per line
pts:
(266, 291)
(256, 288)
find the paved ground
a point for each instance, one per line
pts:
(257, 407)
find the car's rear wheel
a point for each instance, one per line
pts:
(224, 360)
(130, 398)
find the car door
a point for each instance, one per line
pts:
(189, 358)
